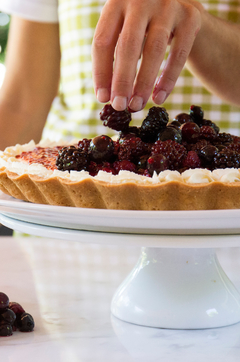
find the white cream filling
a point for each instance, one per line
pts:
(192, 176)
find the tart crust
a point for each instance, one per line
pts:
(92, 192)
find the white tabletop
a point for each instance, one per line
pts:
(68, 286)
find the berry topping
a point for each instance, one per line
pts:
(183, 118)
(157, 163)
(117, 120)
(71, 158)
(196, 113)
(190, 132)
(208, 133)
(191, 161)
(170, 133)
(208, 153)
(173, 151)
(226, 159)
(124, 165)
(131, 149)
(101, 148)
(155, 121)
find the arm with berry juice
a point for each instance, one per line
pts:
(31, 80)
(197, 38)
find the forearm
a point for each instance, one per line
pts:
(215, 57)
(31, 81)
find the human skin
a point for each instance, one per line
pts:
(209, 46)
(31, 80)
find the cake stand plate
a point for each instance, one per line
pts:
(177, 282)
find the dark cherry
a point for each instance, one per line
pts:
(101, 148)
(190, 132)
(6, 330)
(7, 317)
(4, 301)
(26, 323)
(175, 124)
(157, 163)
(183, 118)
(170, 133)
(196, 113)
(207, 153)
(16, 308)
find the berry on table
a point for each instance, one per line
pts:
(4, 301)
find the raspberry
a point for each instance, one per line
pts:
(124, 165)
(173, 151)
(208, 133)
(226, 159)
(191, 161)
(131, 149)
(71, 158)
(117, 120)
(206, 122)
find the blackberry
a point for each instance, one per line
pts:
(226, 159)
(83, 145)
(173, 151)
(71, 158)
(223, 139)
(132, 149)
(124, 165)
(234, 147)
(159, 114)
(117, 120)
(156, 120)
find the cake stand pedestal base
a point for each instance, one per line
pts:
(182, 288)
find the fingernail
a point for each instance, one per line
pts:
(136, 103)
(119, 103)
(103, 95)
(160, 97)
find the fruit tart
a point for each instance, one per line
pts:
(180, 164)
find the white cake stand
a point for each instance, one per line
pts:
(177, 282)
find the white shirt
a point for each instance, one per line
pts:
(35, 10)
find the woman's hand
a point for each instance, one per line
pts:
(128, 29)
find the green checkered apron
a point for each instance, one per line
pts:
(75, 112)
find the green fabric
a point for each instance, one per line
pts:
(75, 112)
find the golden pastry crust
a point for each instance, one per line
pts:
(92, 193)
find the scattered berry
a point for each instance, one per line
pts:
(4, 301)
(26, 323)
